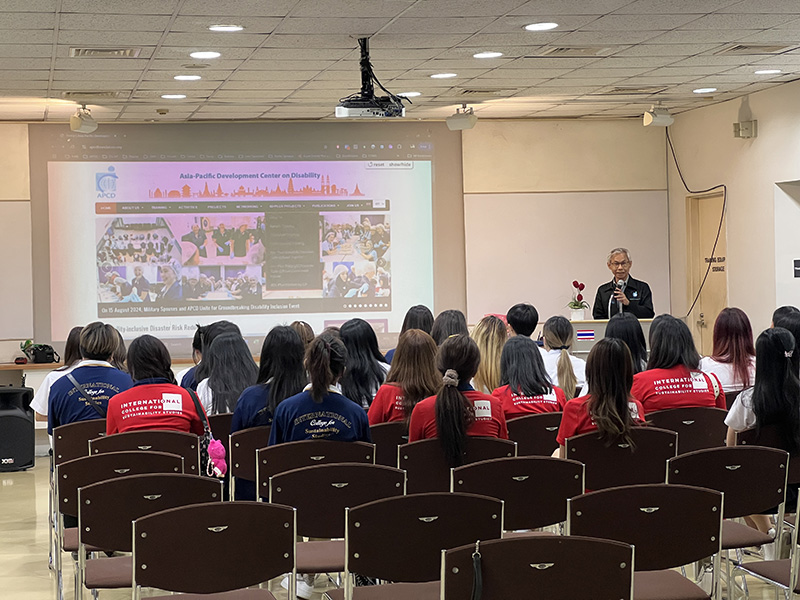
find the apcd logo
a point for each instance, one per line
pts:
(106, 183)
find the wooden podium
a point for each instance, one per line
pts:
(589, 332)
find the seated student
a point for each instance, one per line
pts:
(231, 369)
(526, 388)
(413, 376)
(490, 334)
(522, 319)
(96, 381)
(733, 359)
(203, 337)
(417, 317)
(610, 408)
(155, 401)
(790, 320)
(305, 332)
(447, 323)
(72, 356)
(565, 371)
(457, 411)
(781, 312)
(185, 377)
(366, 369)
(626, 327)
(673, 378)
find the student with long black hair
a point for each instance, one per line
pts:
(457, 411)
(525, 387)
(790, 320)
(418, 317)
(609, 408)
(72, 356)
(626, 327)
(447, 323)
(366, 370)
(207, 334)
(231, 369)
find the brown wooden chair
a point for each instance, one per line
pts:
(729, 398)
(214, 548)
(698, 427)
(535, 434)
(320, 495)
(181, 443)
(668, 525)
(534, 489)
(73, 474)
(546, 568)
(108, 508)
(622, 464)
(427, 469)
(401, 539)
(242, 461)
(294, 455)
(387, 437)
(220, 426)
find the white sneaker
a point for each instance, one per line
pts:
(305, 585)
(770, 549)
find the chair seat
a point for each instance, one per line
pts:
(790, 519)
(393, 591)
(109, 573)
(248, 594)
(325, 556)
(737, 535)
(665, 585)
(778, 571)
(71, 541)
(522, 534)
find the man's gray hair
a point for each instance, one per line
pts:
(618, 251)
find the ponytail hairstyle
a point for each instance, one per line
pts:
(558, 336)
(522, 368)
(490, 334)
(733, 343)
(776, 393)
(790, 321)
(458, 360)
(304, 330)
(326, 358)
(609, 371)
(282, 363)
(72, 349)
(414, 368)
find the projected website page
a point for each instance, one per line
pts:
(158, 246)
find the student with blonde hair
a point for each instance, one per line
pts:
(490, 334)
(565, 371)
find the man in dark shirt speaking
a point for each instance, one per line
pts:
(623, 293)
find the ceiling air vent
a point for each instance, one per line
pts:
(644, 90)
(743, 49)
(90, 97)
(573, 51)
(104, 52)
(472, 92)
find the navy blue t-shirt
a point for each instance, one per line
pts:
(251, 409)
(390, 356)
(335, 418)
(189, 382)
(67, 404)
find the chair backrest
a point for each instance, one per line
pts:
(729, 398)
(213, 547)
(181, 443)
(669, 525)
(295, 455)
(401, 539)
(534, 489)
(535, 434)
(621, 464)
(107, 508)
(547, 568)
(322, 492)
(753, 478)
(71, 475)
(220, 426)
(427, 469)
(387, 437)
(72, 441)
(698, 427)
(770, 437)
(243, 445)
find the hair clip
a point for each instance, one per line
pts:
(788, 353)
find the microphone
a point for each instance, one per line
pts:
(620, 284)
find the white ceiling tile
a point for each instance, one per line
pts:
(351, 8)
(28, 6)
(516, 23)
(762, 6)
(685, 71)
(24, 74)
(667, 49)
(516, 37)
(113, 22)
(644, 22)
(613, 62)
(190, 88)
(177, 65)
(12, 84)
(706, 60)
(138, 7)
(175, 52)
(284, 65)
(25, 63)
(654, 7)
(253, 25)
(606, 38)
(115, 75)
(215, 41)
(736, 21)
(25, 51)
(569, 7)
(770, 36)
(260, 85)
(436, 25)
(333, 25)
(251, 95)
(418, 41)
(707, 36)
(101, 64)
(25, 36)
(545, 62)
(594, 72)
(27, 20)
(169, 74)
(234, 8)
(339, 42)
(94, 86)
(465, 8)
(297, 76)
(108, 39)
(583, 82)
(267, 54)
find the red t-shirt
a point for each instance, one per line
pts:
(387, 405)
(153, 406)
(489, 418)
(576, 419)
(659, 389)
(515, 405)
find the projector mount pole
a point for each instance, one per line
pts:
(367, 87)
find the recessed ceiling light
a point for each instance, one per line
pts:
(225, 28)
(187, 77)
(410, 94)
(541, 26)
(205, 54)
(768, 72)
(173, 96)
(443, 75)
(704, 90)
(488, 54)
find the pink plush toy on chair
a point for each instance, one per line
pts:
(216, 459)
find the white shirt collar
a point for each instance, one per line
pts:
(86, 362)
(334, 389)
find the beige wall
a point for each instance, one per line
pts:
(710, 155)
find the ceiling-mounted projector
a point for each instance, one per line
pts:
(658, 116)
(365, 104)
(463, 118)
(82, 121)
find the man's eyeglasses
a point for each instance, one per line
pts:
(624, 263)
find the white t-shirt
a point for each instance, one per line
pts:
(741, 415)
(551, 357)
(206, 396)
(724, 372)
(41, 400)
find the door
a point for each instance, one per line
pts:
(703, 216)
